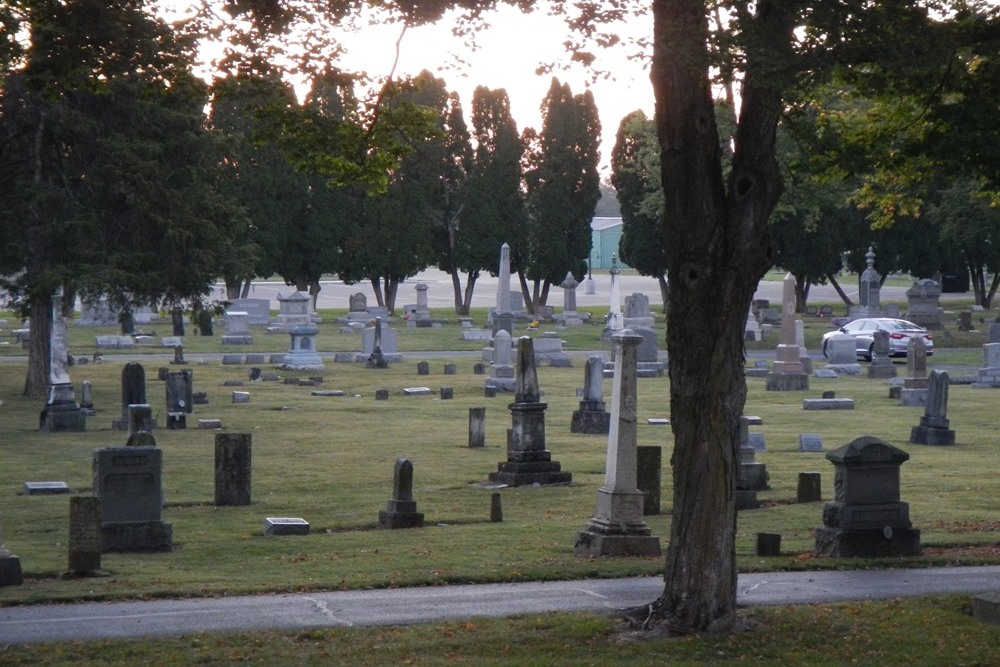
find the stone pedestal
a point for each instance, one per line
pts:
(787, 372)
(934, 425)
(61, 412)
(302, 355)
(866, 517)
(592, 418)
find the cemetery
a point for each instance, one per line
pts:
(331, 442)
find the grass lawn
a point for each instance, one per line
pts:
(330, 460)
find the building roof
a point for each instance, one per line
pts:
(599, 224)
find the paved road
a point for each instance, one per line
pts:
(103, 620)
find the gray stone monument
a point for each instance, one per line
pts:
(842, 355)
(258, 310)
(591, 418)
(528, 462)
(128, 480)
(881, 366)
(87, 399)
(914, 391)
(923, 304)
(357, 305)
(989, 374)
(180, 392)
(866, 517)
(502, 370)
(753, 475)
(302, 354)
(637, 313)
(293, 310)
(423, 311)
(869, 287)
(617, 527)
(61, 412)
(503, 313)
(933, 428)
(616, 319)
(787, 372)
(232, 468)
(401, 510)
(376, 359)
(649, 462)
(10, 564)
(570, 317)
(477, 427)
(84, 535)
(133, 392)
(237, 328)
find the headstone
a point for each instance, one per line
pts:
(237, 328)
(933, 428)
(381, 394)
(965, 321)
(881, 366)
(617, 527)
(177, 320)
(258, 310)
(133, 393)
(993, 333)
(232, 468)
(502, 371)
(128, 480)
(753, 475)
(810, 442)
(477, 427)
(61, 412)
(87, 399)
(423, 312)
(496, 508)
(447, 393)
(241, 397)
(376, 359)
(914, 392)
(97, 314)
(869, 286)
(45, 488)
(842, 355)
(140, 418)
(649, 462)
(293, 310)
(450, 369)
(357, 305)
(417, 391)
(276, 526)
(180, 392)
(570, 317)
(178, 356)
(989, 374)
(648, 364)
(205, 323)
(866, 517)
(637, 312)
(827, 403)
(502, 318)
(210, 423)
(809, 488)
(302, 354)
(591, 417)
(201, 398)
(401, 510)
(986, 608)
(757, 441)
(768, 544)
(528, 462)
(84, 535)
(787, 372)
(751, 330)
(423, 368)
(923, 304)
(10, 565)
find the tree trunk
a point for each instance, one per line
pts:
(232, 288)
(470, 288)
(664, 290)
(529, 306)
(37, 380)
(715, 233)
(456, 288)
(247, 284)
(843, 295)
(978, 276)
(544, 298)
(801, 293)
(377, 288)
(994, 285)
(314, 290)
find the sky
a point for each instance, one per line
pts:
(509, 52)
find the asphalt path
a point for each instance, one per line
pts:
(408, 606)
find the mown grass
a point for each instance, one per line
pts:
(919, 631)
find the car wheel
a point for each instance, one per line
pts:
(825, 355)
(871, 353)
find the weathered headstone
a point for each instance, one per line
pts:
(787, 372)
(881, 366)
(989, 374)
(768, 544)
(502, 318)
(274, 526)
(61, 412)
(869, 287)
(570, 317)
(10, 564)
(376, 359)
(140, 418)
(302, 354)
(87, 399)
(477, 427)
(617, 527)
(914, 392)
(258, 310)
(357, 305)
(866, 517)
(204, 319)
(180, 392)
(423, 368)
(842, 355)
(502, 371)
(232, 468)
(933, 428)
(810, 442)
(381, 394)
(450, 369)
(128, 480)
(637, 312)
(178, 356)
(615, 319)
(177, 320)
(528, 462)
(923, 299)
(133, 392)
(237, 328)
(293, 310)
(423, 312)
(591, 417)
(809, 489)
(401, 510)
(84, 535)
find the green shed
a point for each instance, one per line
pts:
(605, 234)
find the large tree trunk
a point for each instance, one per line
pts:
(529, 305)
(470, 287)
(456, 288)
(377, 288)
(801, 293)
(37, 380)
(716, 235)
(664, 290)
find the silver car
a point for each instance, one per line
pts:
(863, 332)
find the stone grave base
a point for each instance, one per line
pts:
(649, 369)
(828, 404)
(390, 357)
(881, 371)
(746, 500)
(83, 563)
(591, 422)
(237, 340)
(501, 384)
(986, 608)
(392, 520)
(787, 382)
(137, 536)
(931, 435)
(876, 542)
(62, 418)
(601, 538)
(913, 398)
(844, 369)
(122, 424)
(524, 473)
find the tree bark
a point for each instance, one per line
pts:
(470, 287)
(529, 305)
(377, 288)
(715, 232)
(456, 289)
(664, 290)
(36, 381)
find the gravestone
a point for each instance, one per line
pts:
(128, 480)
(387, 343)
(258, 310)
(869, 288)
(768, 544)
(502, 317)
(648, 364)
(401, 510)
(866, 517)
(45, 488)
(423, 312)
(204, 319)
(302, 354)
(84, 535)
(178, 356)
(751, 330)
(615, 319)
(617, 527)
(914, 392)
(477, 427)
(787, 372)
(97, 314)
(423, 368)
(241, 397)
(177, 320)
(569, 317)
(842, 355)
(133, 393)
(61, 412)
(140, 418)
(809, 489)
(881, 366)
(649, 462)
(232, 468)
(381, 394)
(591, 417)
(357, 305)
(933, 428)
(965, 321)
(810, 442)
(923, 304)
(528, 462)
(989, 374)
(180, 392)
(450, 369)
(637, 312)
(10, 565)
(496, 508)
(237, 328)
(87, 399)
(753, 475)
(293, 310)
(447, 393)
(376, 359)
(502, 371)
(275, 526)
